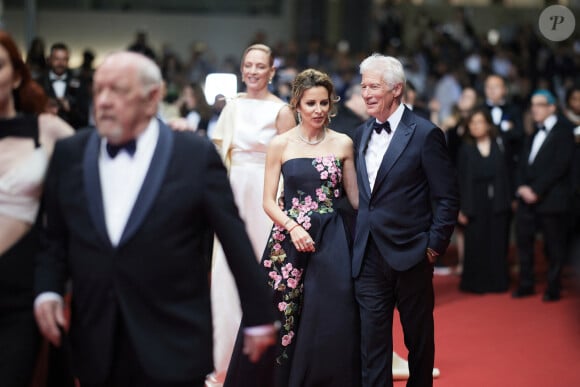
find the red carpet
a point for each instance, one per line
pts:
(494, 340)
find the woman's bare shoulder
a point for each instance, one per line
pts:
(52, 126)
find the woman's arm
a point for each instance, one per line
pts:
(349, 173)
(301, 239)
(52, 128)
(285, 119)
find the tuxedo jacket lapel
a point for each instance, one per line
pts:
(361, 162)
(398, 144)
(92, 184)
(152, 183)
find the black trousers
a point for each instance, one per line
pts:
(127, 372)
(554, 229)
(379, 288)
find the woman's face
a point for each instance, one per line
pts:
(8, 79)
(574, 102)
(189, 97)
(478, 126)
(256, 70)
(467, 100)
(314, 107)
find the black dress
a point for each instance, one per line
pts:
(19, 336)
(318, 342)
(485, 199)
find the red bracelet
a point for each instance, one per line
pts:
(293, 227)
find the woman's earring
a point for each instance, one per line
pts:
(299, 117)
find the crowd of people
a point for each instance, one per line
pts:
(204, 244)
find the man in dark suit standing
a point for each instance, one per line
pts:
(408, 204)
(544, 194)
(507, 117)
(69, 96)
(127, 209)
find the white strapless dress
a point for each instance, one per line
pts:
(254, 127)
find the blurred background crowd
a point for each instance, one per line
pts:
(457, 55)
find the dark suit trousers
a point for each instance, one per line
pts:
(380, 288)
(127, 372)
(554, 231)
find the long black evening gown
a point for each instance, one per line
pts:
(318, 342)
(485, 200)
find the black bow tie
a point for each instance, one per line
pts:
(378, 127)
(55, 78)
(541, 128)
(130, 147)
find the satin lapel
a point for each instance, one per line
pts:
(361, 163)
(396, 147)
(152, 182)
(549, 138)
(92, 184)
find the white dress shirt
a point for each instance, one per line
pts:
(58, 84)
(378, 144)
(541, 136)
(122, 177)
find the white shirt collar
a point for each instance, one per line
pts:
(550, 122)
(53, 77)
(395, 118)
(145, 140)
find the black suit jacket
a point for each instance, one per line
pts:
(77, 94)
(346, 121)
(549, 174)
(156, 279)
(513, 138)
(415, 200)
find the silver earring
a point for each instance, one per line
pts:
(299, 117)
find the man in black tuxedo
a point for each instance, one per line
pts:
(507, 117)
(69, 96)
(127, 209)
(408, 205)
(544, 194)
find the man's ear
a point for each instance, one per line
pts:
(155, 95)
(398, 90)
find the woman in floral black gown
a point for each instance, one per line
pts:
(307, 257)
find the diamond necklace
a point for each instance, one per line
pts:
(313, 142)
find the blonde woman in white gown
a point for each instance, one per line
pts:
(246, 125)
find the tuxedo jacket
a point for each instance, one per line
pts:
(414, 202)
(155, 280)
(549, 174)
(513, 138)
(78, 95)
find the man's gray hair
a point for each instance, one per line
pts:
(390, 68)
(149, 73)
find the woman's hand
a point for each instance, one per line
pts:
(302, 240)
(462, 218)
(179, 124)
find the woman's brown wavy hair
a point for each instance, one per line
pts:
(29, 97)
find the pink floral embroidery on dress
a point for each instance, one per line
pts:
(283, 276)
